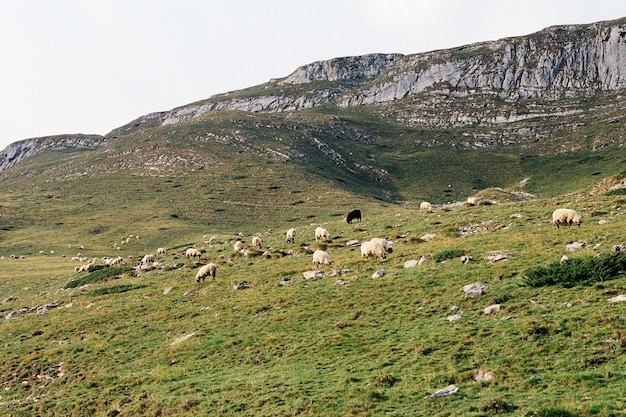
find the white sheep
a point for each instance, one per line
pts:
(321, 257)
(384, 243)
(116, 261)
(291, 235)
(426, 206)
(322, 234)
(373, 249)
(257, 243)
(193, 253)
(565, 216)
(161, 252)
(238, 246)
(148, 259)
(472, 201)
(206, 270)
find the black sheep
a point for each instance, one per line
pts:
(353, 215)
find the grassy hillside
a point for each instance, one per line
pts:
(314, 347)
(100, 343)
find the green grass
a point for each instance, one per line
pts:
(371, 347)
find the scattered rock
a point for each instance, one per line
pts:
(466, 260)
(444, 392)
(428, 237)
(189, 293)
(352, 243)
(182, 339)
(422, 260)
(167, 290)
(240, 286)
(492, 309)
(341, 282)
(483, 376)
(474, 290)
(574, 246)
(410, 264)
(497, 256)
(379, 274)
(313, 274)
(285, 282)
(454, 317)
(602, 221)
(564, 258)
(9, 299)
(617, 299)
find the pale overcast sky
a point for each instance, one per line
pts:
(89, 66)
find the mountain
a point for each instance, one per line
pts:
(379, 120)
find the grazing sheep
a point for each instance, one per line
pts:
(161, 252)
(321, 234)
(115, 261)
(238, 246)
(373, 249)
(426, 206)
(290, 236)
(193, 253)
(384, 243)
(353, 215)
(206, 270)
(472, 201)
(565, 216)
(321, 257)
(148, 259)
(257, 243)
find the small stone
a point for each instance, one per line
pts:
(455, 317)
(410, 264)
(617, 299)
(379, 274)
(167, 290)
(494, 308)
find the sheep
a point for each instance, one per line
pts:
(193, 253)
(353, 215)
(565, 216)
(384, 243)
(238, 246)
(322, 234)
(161, 252)
(373, 249)
(147, 259)
(206, 270)
(290, 236)
(116, 261)
(256, 242)
(322, 258)
(426, 206)
(472, 201)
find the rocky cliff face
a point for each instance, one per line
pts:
(556, 63)
(23, 149)
(499, 83)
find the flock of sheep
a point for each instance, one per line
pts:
(376, 248)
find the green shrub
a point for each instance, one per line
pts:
(617, 191)
(97, 273)
(448, 254)
(579, 271)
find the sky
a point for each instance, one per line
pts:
(90, 66)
